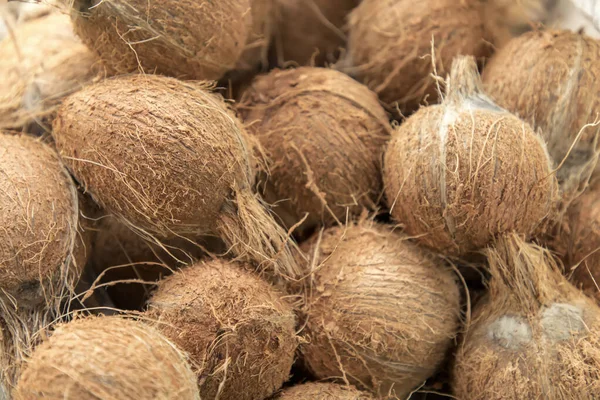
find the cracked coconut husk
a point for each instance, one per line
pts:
(549, 79)
(459, 174)
(322, 391)
(182, 38)
(108, 358)
(169, 159)
(42, 252)
(238, 330)
(310, 32)
(42, 62)
(390, 46)
(381, 313)
(535, 336)
(323, 135)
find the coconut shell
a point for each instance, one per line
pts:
(237, 329)
(181, 38)
(460, 173)
(41, 63)
(322, 391)
(170, 160)
(311, 32)
(390, 47)
(380, 312)
(323, 134)
(107, 358)
(549, 79)
(534, 337)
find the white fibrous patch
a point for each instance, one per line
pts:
(561, 321)
(510, 332)
(482, 102)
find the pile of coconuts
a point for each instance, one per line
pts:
(299, 199)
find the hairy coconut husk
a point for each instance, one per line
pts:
(237, 329)
(390, 45)
(549, 79)
(534, 337)
(170, 160)
(128, 264)
(460, 173)
(186, 39)
(255, 53)
(381, 313)
(107, 358)
(322, 391)
(41, 63)
(310, 32)
(506, 19)
(41, 250)
(323, 134)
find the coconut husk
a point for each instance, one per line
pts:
(390, 46)
(255, 53)
(184, 39)
(380, 312)
(323, 135)
(322, 391)
(507, 19)
(548, 78)
(107, 358)
(238, 330)
(167, 173)
(42, 251)
(42, 62)
(535, 336)
(310, 32)
(460, 173)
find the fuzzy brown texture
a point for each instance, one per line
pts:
(255, 53)
(534, 337)
(238, 330)
(458, 174)
(323, 135)
(42, 62)
(381, 313)
(310, 32)
(506, 19)
(549, 79)
(187, 39)
(170, 160)
(322, 391)
(107, 358)
(390, 47)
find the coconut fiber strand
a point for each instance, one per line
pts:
(323, 391)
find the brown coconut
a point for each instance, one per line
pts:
(107, 358)
(460, 173)
(170, 160)
(238, 330)
(255, 53)
(323, 134)
(381, 313)
(390, 45)
(41, 63)
(535, 336)
(41, 250)
(506, 19)
(549, 79)
(323, 391)
(181, 38)
(310, 32)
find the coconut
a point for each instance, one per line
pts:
(310, 32)
(390, 45)
(41, 253)
(322, 391)
(323, 134)
(236, 328)
(184, 39)
(381, 313)
(169, 160)
(505, 19)
(107, 358)
(259, 38)
(548, 78)
(42, 62)
(535, 336)
(460, 173)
